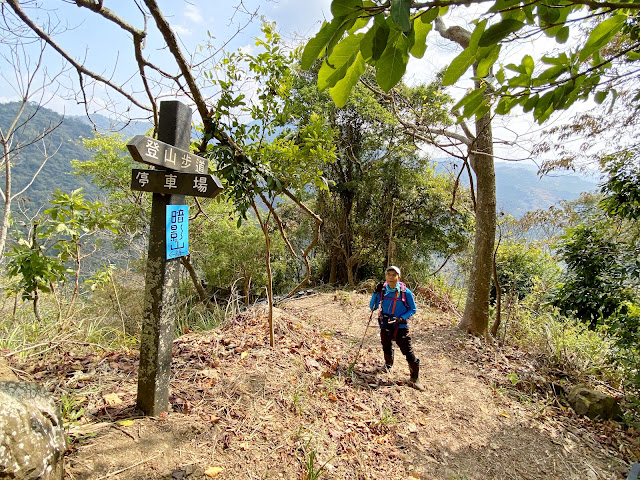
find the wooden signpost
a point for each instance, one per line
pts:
(184, 174)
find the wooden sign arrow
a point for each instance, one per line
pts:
(175, 183)
(154, 152)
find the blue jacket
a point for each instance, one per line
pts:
(393, 296)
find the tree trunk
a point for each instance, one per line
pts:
(350, 277)
(391, 246)
(4, 226)
(247, 289)
(36, 296)
(475, 319)
(333, 269)
(264, 225)
(36, 307)
(496, 282)
(272, 340)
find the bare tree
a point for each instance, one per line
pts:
(30, 82)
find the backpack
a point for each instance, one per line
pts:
(403, 293)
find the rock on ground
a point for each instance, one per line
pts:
(32, 438)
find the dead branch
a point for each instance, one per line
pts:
(280, 226)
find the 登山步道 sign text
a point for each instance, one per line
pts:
(154, 152)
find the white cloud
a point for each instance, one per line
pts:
(181, 30)
(193, 14)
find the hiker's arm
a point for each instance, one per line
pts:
(373, 303)
(411, 305)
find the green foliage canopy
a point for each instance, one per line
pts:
(274, 158)
(384, 34)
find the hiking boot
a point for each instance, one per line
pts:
(388, 363)
(414, 370)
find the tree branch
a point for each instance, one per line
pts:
(15, 5)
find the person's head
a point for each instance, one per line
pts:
(392, 276)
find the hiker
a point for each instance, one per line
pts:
(397, 306)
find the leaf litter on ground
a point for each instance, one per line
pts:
(298, 411)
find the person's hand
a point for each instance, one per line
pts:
(379, 287)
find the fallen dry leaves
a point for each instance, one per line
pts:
(240, 409)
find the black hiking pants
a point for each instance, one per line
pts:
(402, 339)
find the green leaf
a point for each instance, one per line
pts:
(343, 8)
(481, 110)
(487, 61)
(366, 45)
(361, 22)
(393, 63)
(633, 56)
(458, 66)
(530, 103)
(422, 29)
(430, 15)
(501, 5)
(520, 81)
(476, 35)
(470, 98)
(543, 103)
(497, 32)
(401, 14)
(548, 15)
(340, 92)
(314, 46)
(601, 35)
(528, 65)
(505, 105)
(550, 74)
(335, 67)
(561, 59)
(563, 35)
(380, 40)
(473, 105)
(600, 96)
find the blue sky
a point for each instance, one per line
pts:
(106, 49)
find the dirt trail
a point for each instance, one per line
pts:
(251, 412)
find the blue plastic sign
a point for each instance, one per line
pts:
(177, 231)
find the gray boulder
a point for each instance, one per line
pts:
(32, 438)
(593, 404)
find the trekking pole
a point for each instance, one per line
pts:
(355, 359)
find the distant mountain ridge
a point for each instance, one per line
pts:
(63, 144)
(519, 189)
